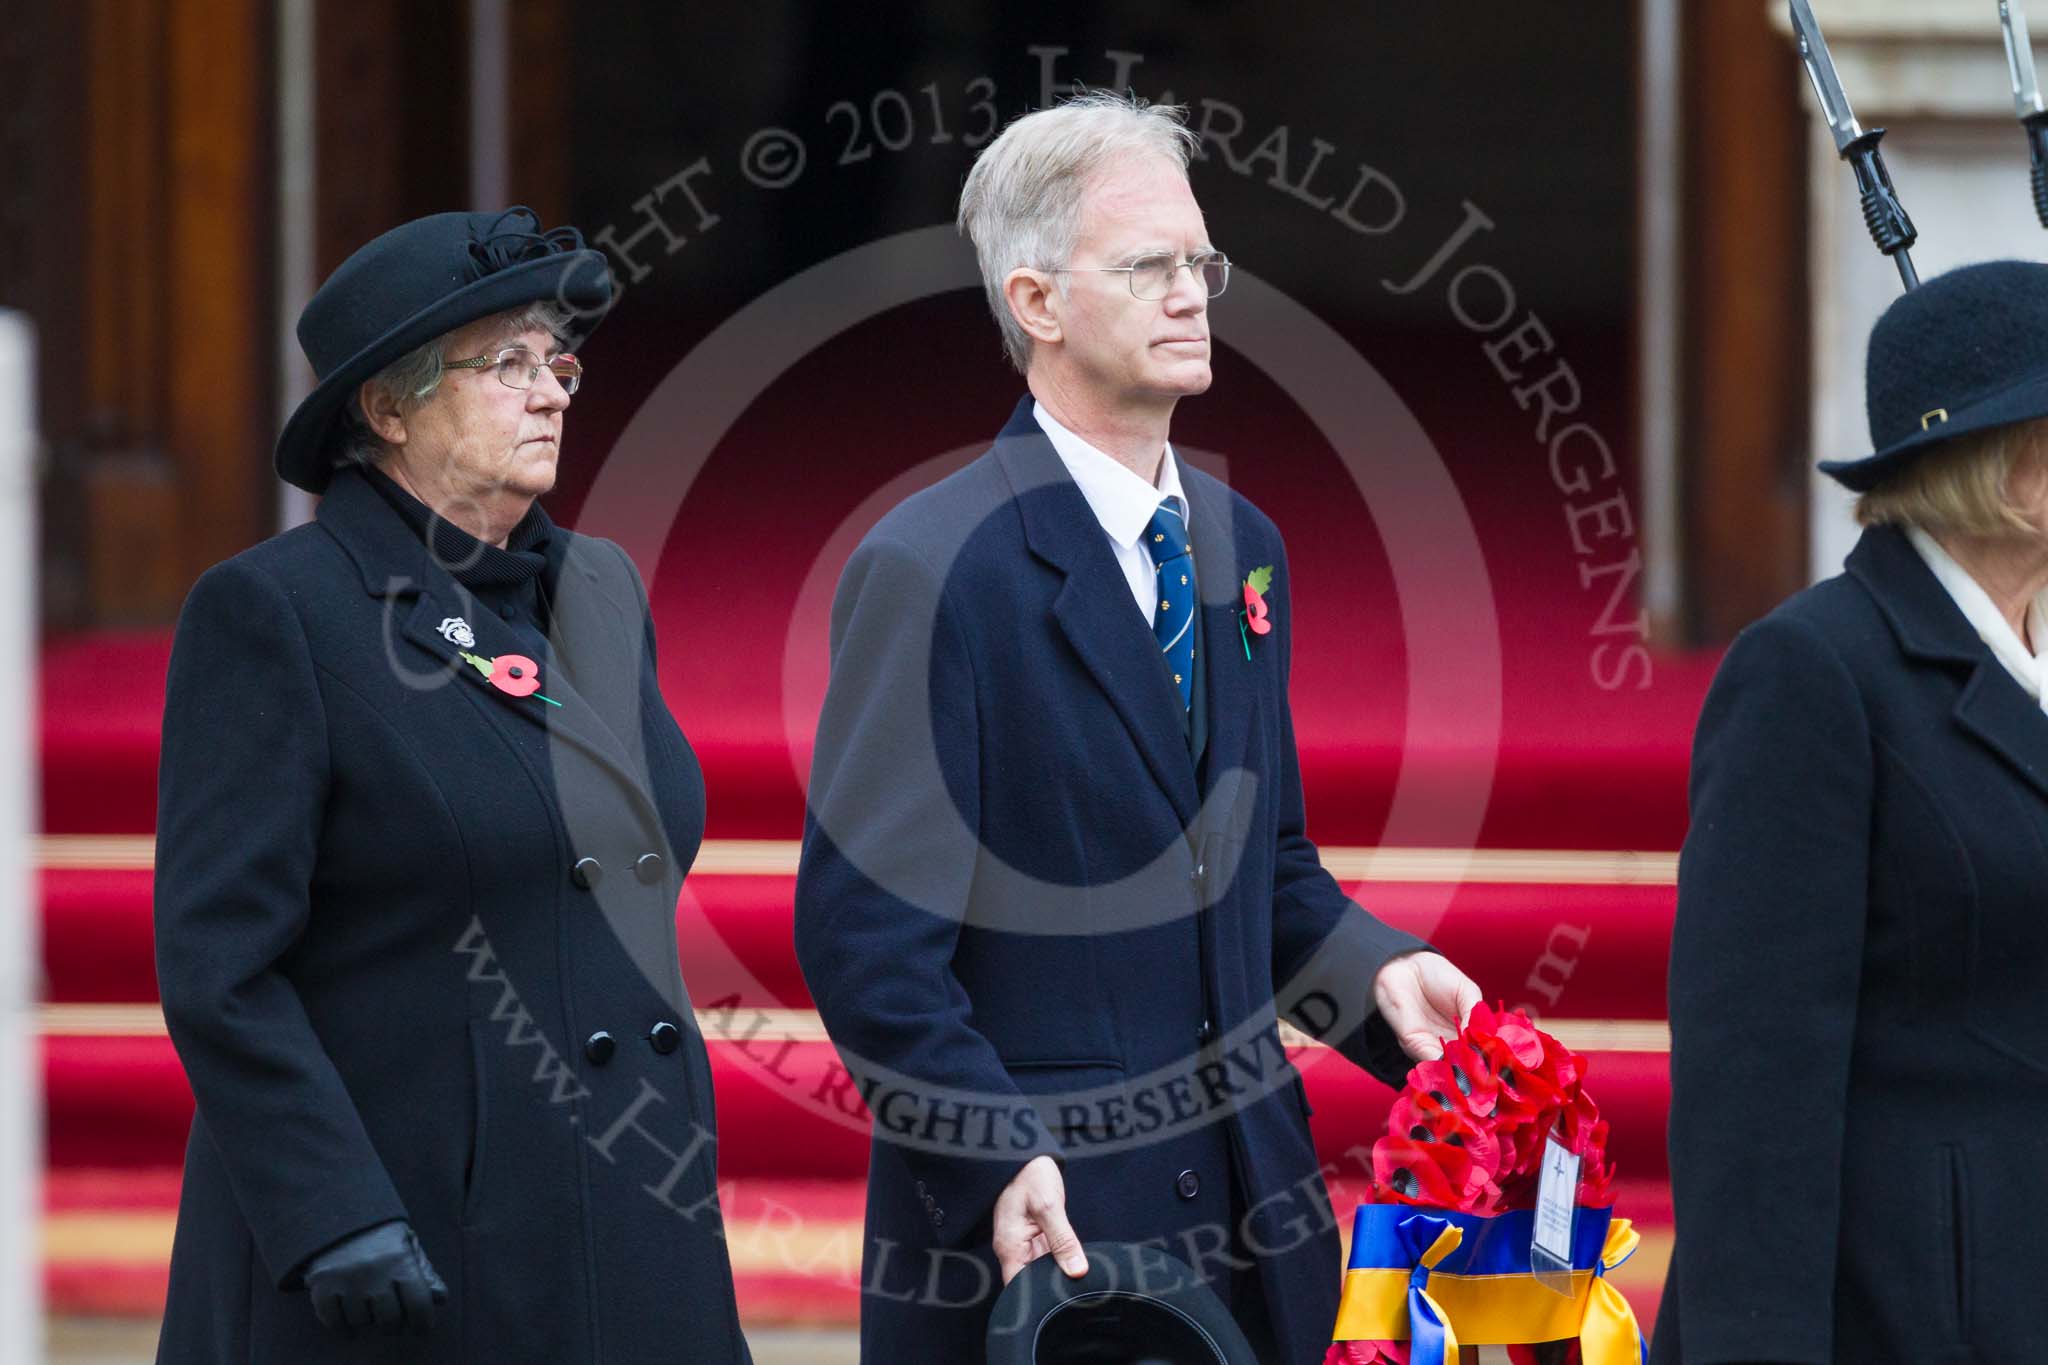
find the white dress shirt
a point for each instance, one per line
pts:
(1985, 617)
(1121, 501)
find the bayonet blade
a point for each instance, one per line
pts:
(2019, 60)
(1820, 69)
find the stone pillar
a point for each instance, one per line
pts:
(21, 1101)
(1932, 73)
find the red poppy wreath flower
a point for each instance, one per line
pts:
(1469, 1130)
(1422, 1119)
(1409, 1172)
(1483, 1157)
(1596, 1182)
(1585, 1135)
(1472, 1075)
(1585, 1132)
(1524, 1093)
(1522, 1039)
(1436, 1175)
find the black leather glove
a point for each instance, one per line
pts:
(376, 1278)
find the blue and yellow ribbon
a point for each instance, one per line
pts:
(1608, 1332)
(1435, 1278)
(1434, 1340)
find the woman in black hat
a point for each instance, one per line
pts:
(1859, 1058)
(423, 822)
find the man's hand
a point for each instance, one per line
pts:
(1031, 1221)
(1424, 999)
(377, 1278)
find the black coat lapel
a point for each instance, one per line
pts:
(574, 717)
(595, 628)
(1094, 609)
(1998, 711)
(1932, 629)
(599, 706)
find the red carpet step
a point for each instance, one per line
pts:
(1569, 950)
(785, 1106)
(1572, 766)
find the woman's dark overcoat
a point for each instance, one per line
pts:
(1858, 973)
(394, 905)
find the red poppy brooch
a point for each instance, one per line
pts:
(1252, 617)
(513, 674)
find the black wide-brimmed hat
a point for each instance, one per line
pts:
(1966, 351)
(414, 283)
(1135, 1304)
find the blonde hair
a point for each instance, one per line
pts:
(1961, 487)
(1021, 205)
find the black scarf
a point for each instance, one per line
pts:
(471, 562)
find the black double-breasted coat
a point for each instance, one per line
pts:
(396, 909)
(1859, 1053)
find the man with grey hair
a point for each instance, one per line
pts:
(1055, 891)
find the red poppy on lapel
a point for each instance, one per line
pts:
(1256, 585)
(1253, 617)
(513, 674)
(1255, 611)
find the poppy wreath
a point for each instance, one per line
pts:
(1440, 1257)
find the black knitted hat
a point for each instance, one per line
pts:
(1966, 351)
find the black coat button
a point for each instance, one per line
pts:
(1206, 1034)
(665, 1036)
(508, 611)
(1187, 1184)
(599, 1047)
(647, 867)
(587, 873)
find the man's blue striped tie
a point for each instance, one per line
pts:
(1173, 612)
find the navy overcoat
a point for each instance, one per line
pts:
(1859, 1050)
(395, 907)
(1036, 921)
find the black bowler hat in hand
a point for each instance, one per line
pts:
(1966, 351)
(1135, 1306)
(414, 283)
